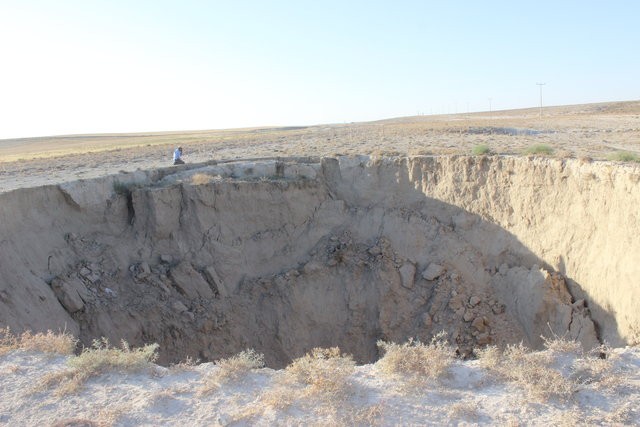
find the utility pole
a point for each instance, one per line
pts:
(541, 84)
(490, 107)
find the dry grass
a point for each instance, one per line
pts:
(96, 360)
(549, 374)
(531, 371)
(188, 364)
(201, 179)
(49, 342)
(559, 344)
(598, 370)
(231, 369)
(324, 373)
(319, 380)
(467, 411)
(416, 362)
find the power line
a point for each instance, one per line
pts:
(541, 84)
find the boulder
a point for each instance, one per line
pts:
(474, 300)
(433, 271)
(407, 275)
(214, 279)
(190, 282)
(71, 293)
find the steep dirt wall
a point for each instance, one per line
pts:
(283, 256)
(580, 218)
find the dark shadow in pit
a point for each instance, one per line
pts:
(339, 291)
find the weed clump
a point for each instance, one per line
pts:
(232, 368)
(323, 372)
(623, 156)
(201, 179)
(101, 357)
(49, 342)
(539, 149)
(415, 361)
(481, 150)
(550, 374)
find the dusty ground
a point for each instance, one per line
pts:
(594, 130)
(570, 390)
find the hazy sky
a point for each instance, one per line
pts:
(92, 66)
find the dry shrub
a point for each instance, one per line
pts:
(533, 372)
(369, 415)
(201, 178)
(568, 417)
(415, 361)
(278, 397)
(463, 410)
(231, 369)
(96, 360)
(49, 342)
(324, 373)
(598, 370)
(319, 380)
(560, 344)
(187, 364)
(622, 414)
(489, 357)
(546, 374)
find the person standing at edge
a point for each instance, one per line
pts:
(177, 156)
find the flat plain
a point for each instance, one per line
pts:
(596, 131)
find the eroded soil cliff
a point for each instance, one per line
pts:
(283, 256)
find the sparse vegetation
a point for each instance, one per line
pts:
(415, 361)
(319, 380)
(324, 372)
(533, 372)
(481, 150)
(326, 385)
(623, 156)
(463, 410)
(539, 149)
(544, 375)
(101, 357)
(230, 369)
(201, 178)
(49, 342)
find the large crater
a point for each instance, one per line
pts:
(286, 255)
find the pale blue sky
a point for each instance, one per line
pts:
(121, 66)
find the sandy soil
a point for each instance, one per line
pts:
(593, 130)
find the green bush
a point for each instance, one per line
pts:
(624, 156)
(538, 149)
(480, 150)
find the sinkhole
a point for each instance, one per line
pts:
(285, 255)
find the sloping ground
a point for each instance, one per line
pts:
(569, 389)
(284, 256)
